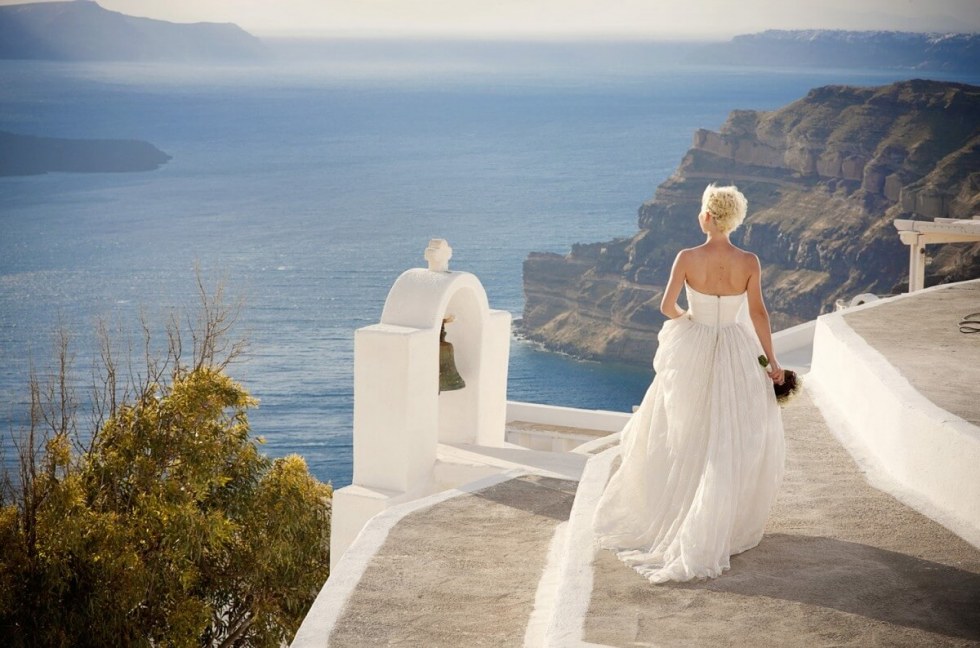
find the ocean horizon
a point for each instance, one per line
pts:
(306, 186)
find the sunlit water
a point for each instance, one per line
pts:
(308, 187)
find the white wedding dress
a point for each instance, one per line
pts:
(702, 457)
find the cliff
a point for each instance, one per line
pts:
(84, 31)
(30, 155)
(846, 49)
(825, 177)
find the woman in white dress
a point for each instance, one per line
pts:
(702, 457)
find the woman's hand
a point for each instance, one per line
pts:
(776, 373)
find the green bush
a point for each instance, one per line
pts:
(165, 525)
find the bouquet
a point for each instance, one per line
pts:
(791, 383)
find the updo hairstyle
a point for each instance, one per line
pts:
(726, 205)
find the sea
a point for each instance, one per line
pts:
(305, 184)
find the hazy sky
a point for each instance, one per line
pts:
(678, 19)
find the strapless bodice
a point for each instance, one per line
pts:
(714, 310)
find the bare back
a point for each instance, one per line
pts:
(719, 269)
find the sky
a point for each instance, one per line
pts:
(656, 19)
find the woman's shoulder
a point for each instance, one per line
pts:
(687, 254)
(691, 252)
(748, 258)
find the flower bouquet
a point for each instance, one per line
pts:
(790, 386)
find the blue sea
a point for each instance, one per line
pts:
(307, 184)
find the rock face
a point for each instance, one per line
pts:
(824, 176)
(83, 31)
(30, 155)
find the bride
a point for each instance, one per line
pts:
(702, 457)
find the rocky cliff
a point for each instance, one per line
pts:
(824, 176)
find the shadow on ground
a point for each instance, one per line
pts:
(857, 579)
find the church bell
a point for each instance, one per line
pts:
(449, 378)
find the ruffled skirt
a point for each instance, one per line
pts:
(702, 457)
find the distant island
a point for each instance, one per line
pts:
(829, 48)
(825, 177)
(30, 155)
(81, 30)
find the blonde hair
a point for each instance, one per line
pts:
(726, 205)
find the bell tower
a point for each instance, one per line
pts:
(400, 415)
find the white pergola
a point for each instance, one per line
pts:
(918, 234)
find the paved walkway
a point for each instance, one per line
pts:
(842, 564)
(461, 573)
(920, 337)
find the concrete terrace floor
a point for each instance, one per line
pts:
(461, 573)
(841, 563)
(921, 338)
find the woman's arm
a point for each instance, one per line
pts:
(760, 320)
(668, 305)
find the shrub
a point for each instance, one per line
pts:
(163, 524)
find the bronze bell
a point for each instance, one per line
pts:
(449, 378)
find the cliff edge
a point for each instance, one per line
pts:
(824, 176)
